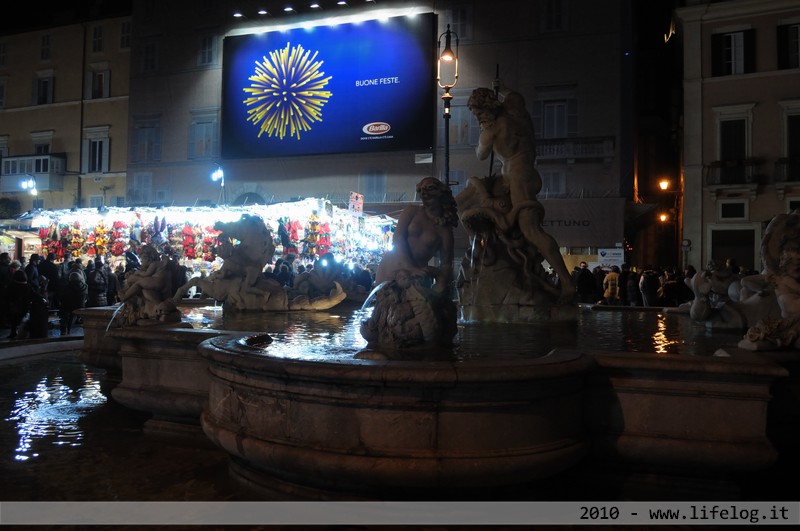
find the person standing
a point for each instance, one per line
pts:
(97, 284)
(611, 284)
(32, 272)
(584, 283)
(19, 301)
(5, 280)
(49, 270)
(73, 297)
(648, 285)
(634, 294)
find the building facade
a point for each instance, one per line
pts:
(64, 114)
(574, 61)
(741, 162)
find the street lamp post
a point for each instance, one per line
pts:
(448, 57)
(29, 184)
(219, 175)
(675, 216)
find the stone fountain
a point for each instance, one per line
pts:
(407, 419)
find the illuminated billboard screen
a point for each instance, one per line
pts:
(350, 88)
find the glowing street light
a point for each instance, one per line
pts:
(448, 57)
(219, 175)
(29, 185)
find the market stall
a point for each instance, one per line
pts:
(309, 228)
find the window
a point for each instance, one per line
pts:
(732, 139)
(733, 131)
(98, 82)
(95, 150)
(554, 183)
(792, 204)
(203, 135)
(97, 39)
(464, 127)
(553, 15)
(149, 59)
(43, 90)
(790, 111)
(2, 93)
(555, 112)
(37, 203)
(207, 50)
(141, 188)
(95, 201)
(373, 183)
(146, 144)
(789, 46)
(793, 136)
(732, 210)
(460, 17)
(125, 35)
(44, 50)
(733, 53)
(41, 149)
(3, 53)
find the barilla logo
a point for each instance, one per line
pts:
(376, 128)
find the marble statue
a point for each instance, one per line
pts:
(246, 247)
(502, 275)
(780, 255)
(724, 299)
(146, 292)
(413, 299)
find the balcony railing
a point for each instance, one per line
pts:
(731, 172)
(575, 148)
(787, 170)
(47, 170)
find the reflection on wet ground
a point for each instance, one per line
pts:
(61, 439)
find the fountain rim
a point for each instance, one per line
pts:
(229, 350)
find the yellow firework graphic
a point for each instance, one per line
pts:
(285, 93)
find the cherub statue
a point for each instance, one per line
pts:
(146, 288)
(780, 254)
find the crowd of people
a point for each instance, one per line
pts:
(31, 290)
(630, 286)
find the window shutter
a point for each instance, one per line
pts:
(87, 85)
(572, 117)
(106, 154)
(749, 42)
(157, 144)
(717, 52)
(782, 34)
(133, 156)
(106, 83)
(191, 149)
(536, 115)
(214, 139)
(85, 147)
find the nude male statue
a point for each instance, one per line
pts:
(507, 130)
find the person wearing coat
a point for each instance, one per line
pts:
(19, 301)
(73, 297)
(97, 284)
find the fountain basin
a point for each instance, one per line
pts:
(375, 426)
(163, 374)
